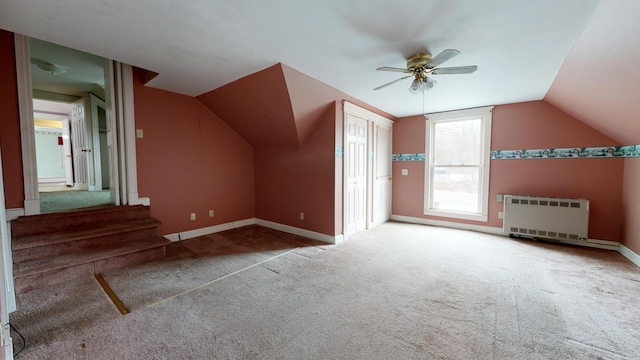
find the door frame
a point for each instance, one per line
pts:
(95, 103)
(121, 139)
(7, 298)
(120, 133)
(373, 120)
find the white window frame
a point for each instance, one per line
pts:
(484, 114)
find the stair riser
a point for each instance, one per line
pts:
(31, 225)
(38, 240)
(28, 283)
(46, 251)
(50, 249)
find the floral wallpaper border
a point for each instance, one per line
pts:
(565, 153)
(408, 157)
(550, 153)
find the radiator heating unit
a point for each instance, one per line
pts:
(558, 219)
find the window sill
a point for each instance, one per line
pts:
(456, 215)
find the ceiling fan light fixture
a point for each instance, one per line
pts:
(419, 86)
(416, 87)
(51, 68)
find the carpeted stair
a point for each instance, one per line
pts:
(52, 248)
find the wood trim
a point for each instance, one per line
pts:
(7, 299)
(130, 137)
(367, 114)
(27, 133)
(629, 254)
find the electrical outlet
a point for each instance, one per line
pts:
(301, 216)
(193, 216)
(210, 213)
(500, 215)
(499, 198)
(405, 172)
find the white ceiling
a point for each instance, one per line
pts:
(197, 46)
(599, 82)
(84, 72)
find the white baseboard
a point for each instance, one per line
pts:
(448, 224)
(135, 200)
(184, 235)
(301, 232)
(629, 254)
(13, 214)
(31, 207)
(595, 243)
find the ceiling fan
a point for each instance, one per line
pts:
(422, 64)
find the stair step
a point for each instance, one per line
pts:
(77, 219)
(39, 252)
(83, 257)
(38, 240)
(52, 248)
(34, 281)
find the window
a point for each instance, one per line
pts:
(457, 164)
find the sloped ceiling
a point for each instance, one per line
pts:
(278, 106)
(599, 82)
(257, 107)
(199, 46)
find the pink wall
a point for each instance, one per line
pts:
(631, 205)
(528, 125)
(291, 119)
(190, 161)
(290, 180)
(10, 125)
(258, 107)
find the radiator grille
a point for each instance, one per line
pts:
(549, 218)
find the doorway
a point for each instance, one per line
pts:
(120, 132)
(367, 169)
(70, 121)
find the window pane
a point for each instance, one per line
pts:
(458, 142)
(456, 189)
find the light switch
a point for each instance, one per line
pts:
(139, 133)
(405, 171)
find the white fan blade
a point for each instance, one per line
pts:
(393, 82)
(455, 70)
(442, 57)
(388, 68)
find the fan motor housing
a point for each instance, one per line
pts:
(418, 60)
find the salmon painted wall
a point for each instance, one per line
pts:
(630, 203)
(291, 121)
(190, 161)
(290, 180)
(258, 107)
(530, 125)
(10, 125)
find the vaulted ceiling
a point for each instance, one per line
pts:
(576, 54)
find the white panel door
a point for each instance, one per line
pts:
(382, 175)
(68, 156)
(356, 174)
(80, 146)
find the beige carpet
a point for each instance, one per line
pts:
(399, 291)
